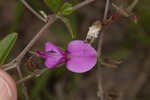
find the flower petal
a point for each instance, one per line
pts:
(53, 59)
(82, 57)
(51, 47)
(52, 54)
(42, 54)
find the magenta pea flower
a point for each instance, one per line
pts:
(79, 56)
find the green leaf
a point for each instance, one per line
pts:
(6, 45)
(66, 9)
(54, 5)
(68, 25)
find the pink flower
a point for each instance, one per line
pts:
(79, 56)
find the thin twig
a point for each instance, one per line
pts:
(31, 76)
(86, 2)
(100, 42)
(6, 66)
(33, 11)
(129, 9)
(45, 20)
(37, 73)
(106, 9)
(132, 6)
(25, 91)
(52, 19)
(102, 33)
(100, 90)
(10, 67)
(100, 86)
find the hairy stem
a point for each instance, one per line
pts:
(51, 20)
(132, 5)
(86, 2)
(25, 91)
(33, 11)
(32, 75)
(100, 42)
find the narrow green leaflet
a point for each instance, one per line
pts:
(68, 25)
(6, 45)
(66, 9)
(54, 5)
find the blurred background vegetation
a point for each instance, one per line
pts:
(123, 40)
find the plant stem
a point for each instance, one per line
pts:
(100, 42)
(86, 2)
(51, 20)
(25, 91)
(32, 75)
(132, 5)
(33, 11)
